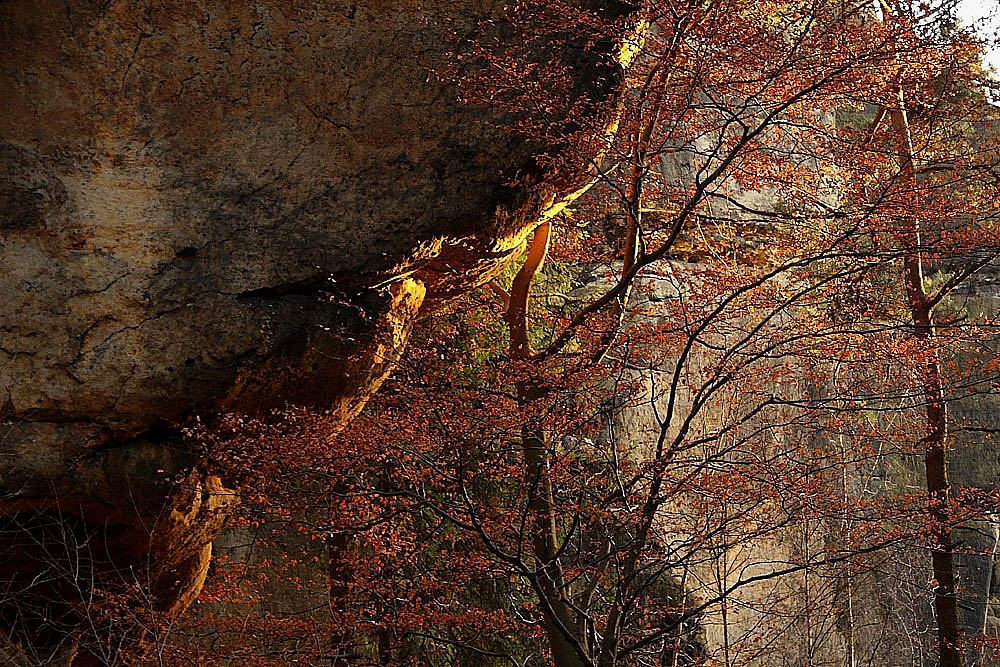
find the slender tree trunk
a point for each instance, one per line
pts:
(565, 631)
(679, 647)
(936, 425)
(988, 589)
(563, 618)
(852, 659)
(340, 572)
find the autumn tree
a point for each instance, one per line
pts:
(752, 271)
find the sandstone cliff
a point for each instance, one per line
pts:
(211, 207)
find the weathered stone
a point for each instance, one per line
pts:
(211, 207)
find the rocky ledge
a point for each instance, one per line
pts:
(209, 208)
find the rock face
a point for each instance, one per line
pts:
(211, 207)
(835, 614)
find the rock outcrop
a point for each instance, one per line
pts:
(215, 207)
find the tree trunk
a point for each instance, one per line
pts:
(565, 630)
(561, 618)
(936, 424)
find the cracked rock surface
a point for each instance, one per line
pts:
(211, 207)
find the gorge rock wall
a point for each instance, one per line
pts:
(832, 614)
(222, 207)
